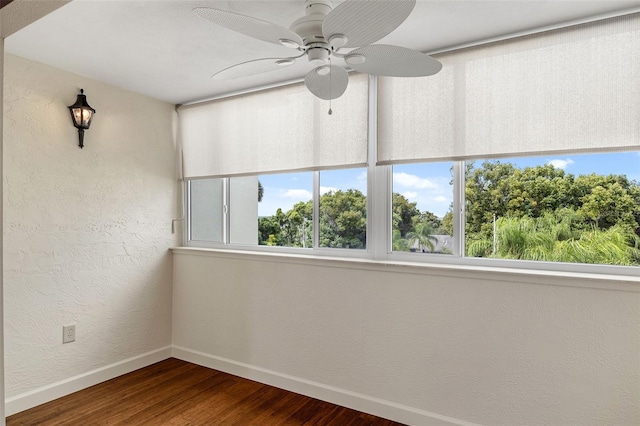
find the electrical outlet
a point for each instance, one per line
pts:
(68, 333)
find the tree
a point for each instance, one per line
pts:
(446, 224)
(399, 243)
(343, 219)
(486, 194)
(301, 224)
(429, 219)
(404, 212)
(609, 205)
(546, 214)
(549, 239)
(423, 235)
(542, 213)
(268, 231)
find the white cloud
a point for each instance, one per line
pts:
(325, 189)
(410, 194)
(296, 194)
(560, 164)
(412, 181)
(362, 176)
(441, 199)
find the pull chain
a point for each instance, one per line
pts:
(330, 94)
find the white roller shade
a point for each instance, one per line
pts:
(275, 130)
(575, 89)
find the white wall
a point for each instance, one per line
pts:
(420, 345)
(86, 231)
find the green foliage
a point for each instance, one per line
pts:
(542, 214)
(552, 240)
(343, 222)
(423, 236)
(609, 204)
(343, 219)
(399, 243)
(403, 213)
(446, 224)
(292, 229)
(504, 190)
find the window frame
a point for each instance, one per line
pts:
(379, 224)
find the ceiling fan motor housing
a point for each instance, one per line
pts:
(317, 7)
(309, 28)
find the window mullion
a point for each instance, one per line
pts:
(225, 211)
(378, 185)
(458, 208)
(186, 211)
(316, 209)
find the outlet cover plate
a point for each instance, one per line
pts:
(68, 333)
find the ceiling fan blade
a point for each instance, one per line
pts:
(253, 67)
(392, 61)
(252, 27)
(364, 22)
(327, 81)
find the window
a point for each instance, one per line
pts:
(285, 210)
(277, 209)
(422, 202)
(575, 208)
(343, 209)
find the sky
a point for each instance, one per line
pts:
(427, 184)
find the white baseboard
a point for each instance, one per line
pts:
(30, 399)
(379, 407)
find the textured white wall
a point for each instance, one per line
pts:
(86, 232)
(482, 347)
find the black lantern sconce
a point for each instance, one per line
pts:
(81, 114)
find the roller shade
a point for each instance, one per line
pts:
(575, 89)
(275, 130)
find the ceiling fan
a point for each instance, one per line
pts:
(327, 35)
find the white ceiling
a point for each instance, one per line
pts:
(161, 49)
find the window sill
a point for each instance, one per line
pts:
(475, 272)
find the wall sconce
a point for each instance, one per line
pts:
(81, 114)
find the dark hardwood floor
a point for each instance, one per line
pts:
(177, 393)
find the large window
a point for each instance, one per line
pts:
(515, 154)
(580, 208)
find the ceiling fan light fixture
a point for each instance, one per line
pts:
(355, 59)
(318, 62)
(318, 55)
(289, 43)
